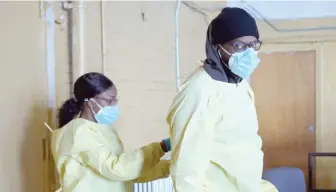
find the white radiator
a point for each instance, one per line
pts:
(161, 185)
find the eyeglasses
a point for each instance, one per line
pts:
(108, 102)
(240, 46)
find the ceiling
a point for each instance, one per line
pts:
(276, 9)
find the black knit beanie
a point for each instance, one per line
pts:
(231, 24)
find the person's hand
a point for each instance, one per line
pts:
(164, 168)
(165, 145)
(201, 63)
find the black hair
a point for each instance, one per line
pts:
(85, 87)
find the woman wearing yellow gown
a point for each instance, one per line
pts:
(88, 153)
(213, 120)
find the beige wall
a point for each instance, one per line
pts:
(140, 59)
(23, 97)
(271, 36)
(326, 129)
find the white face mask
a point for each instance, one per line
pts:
(243, 63)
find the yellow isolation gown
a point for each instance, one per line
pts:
(90, 158)
(215, 144)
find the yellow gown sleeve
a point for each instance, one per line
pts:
(192, 135)
(124, 167)
(159, 171)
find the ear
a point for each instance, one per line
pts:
(89, 103)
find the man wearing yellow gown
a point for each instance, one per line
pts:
(213, 120)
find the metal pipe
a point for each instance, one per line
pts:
(70, 54)
(41, 2)
(103, 47)
(50, 60)
(177, 51)
(250, 7)
(78, 43)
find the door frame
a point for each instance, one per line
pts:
(318, 48)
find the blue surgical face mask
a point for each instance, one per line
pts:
(107, 115)
(243, 63)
